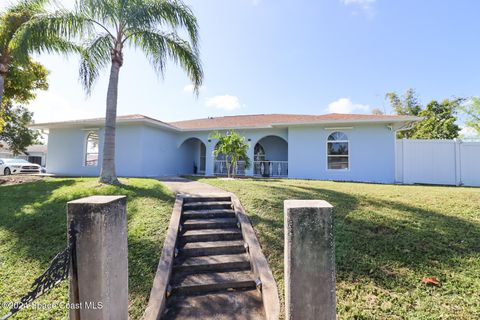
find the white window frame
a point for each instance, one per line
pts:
(85, 149)
(333, 156)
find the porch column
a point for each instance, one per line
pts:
(210, 147)
(250, 153)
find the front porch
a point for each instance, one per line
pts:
(270, 159)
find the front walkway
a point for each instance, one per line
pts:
(188, 187)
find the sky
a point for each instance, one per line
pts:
(291, 56)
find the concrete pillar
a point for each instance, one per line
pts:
(99, 271)
(309, 260)
(210, 147)
(251, 154)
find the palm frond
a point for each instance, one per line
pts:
(95, 57)
(159, 46)
(158, 13)
(50, 33)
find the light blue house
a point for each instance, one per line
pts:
(343, 147)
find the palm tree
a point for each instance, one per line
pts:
(234, 148)
(16, 45)
(111, 25)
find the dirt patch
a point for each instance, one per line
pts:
(18, 179)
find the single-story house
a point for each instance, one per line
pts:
(36, 153)
(347, 147)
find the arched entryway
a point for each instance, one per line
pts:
(192, 156)
(271, 157)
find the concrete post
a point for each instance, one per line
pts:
(309, 260)
(210, 147)
(99, 272)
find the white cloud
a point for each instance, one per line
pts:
(359, 2)
(468, 132)
(189, 88)
(345, 105)
(365, 5)
(51, 107)
(225, 102)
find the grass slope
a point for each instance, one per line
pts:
(388, 238)
(33, 230)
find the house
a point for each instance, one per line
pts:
(36, 153)
(346, 147)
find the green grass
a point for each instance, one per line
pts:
(387, 239)
(33, 229)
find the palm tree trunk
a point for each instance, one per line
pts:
(108, 174)
(2, 86)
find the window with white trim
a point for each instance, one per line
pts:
(337, 151)
(91, 149)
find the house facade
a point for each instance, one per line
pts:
(342, 147)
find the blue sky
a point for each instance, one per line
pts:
(291, 56)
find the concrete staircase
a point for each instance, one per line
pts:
(212, 277)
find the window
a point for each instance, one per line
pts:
(91, 151)
(337, 151)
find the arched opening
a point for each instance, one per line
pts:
(91, 149)
(193, 154)
(271, 157)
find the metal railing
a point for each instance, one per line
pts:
(270, 168)
(220, 168)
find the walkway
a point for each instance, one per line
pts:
(191, 188)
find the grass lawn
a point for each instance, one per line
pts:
(33, 229)
(387, 239)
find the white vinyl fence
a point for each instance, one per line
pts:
(448, 162)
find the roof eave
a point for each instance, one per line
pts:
(100, 123)
(359, 121)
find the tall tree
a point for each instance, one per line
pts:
(234, 148)
(16, 43)
(111, 25)
(16, 133)
(439, 120)
(407, 104)
(21, 84)
(472, 111)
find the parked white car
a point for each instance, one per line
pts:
(16, 166)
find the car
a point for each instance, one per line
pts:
(16, 166)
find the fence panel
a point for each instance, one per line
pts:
(470, 163)
(448, 162)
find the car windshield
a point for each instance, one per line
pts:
(15, 161)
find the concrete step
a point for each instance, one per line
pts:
(216, 263)
(206, 199)
(212, 282)
(207, 205)
(195, 249)
(215, 213)
(211, 235)
(216, 306)
(209, 223)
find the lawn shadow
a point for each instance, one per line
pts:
(33, 217)
(370, 244)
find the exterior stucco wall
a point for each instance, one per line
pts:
(371, 152)
(140, 151)
(66, 152)
(160, 154)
